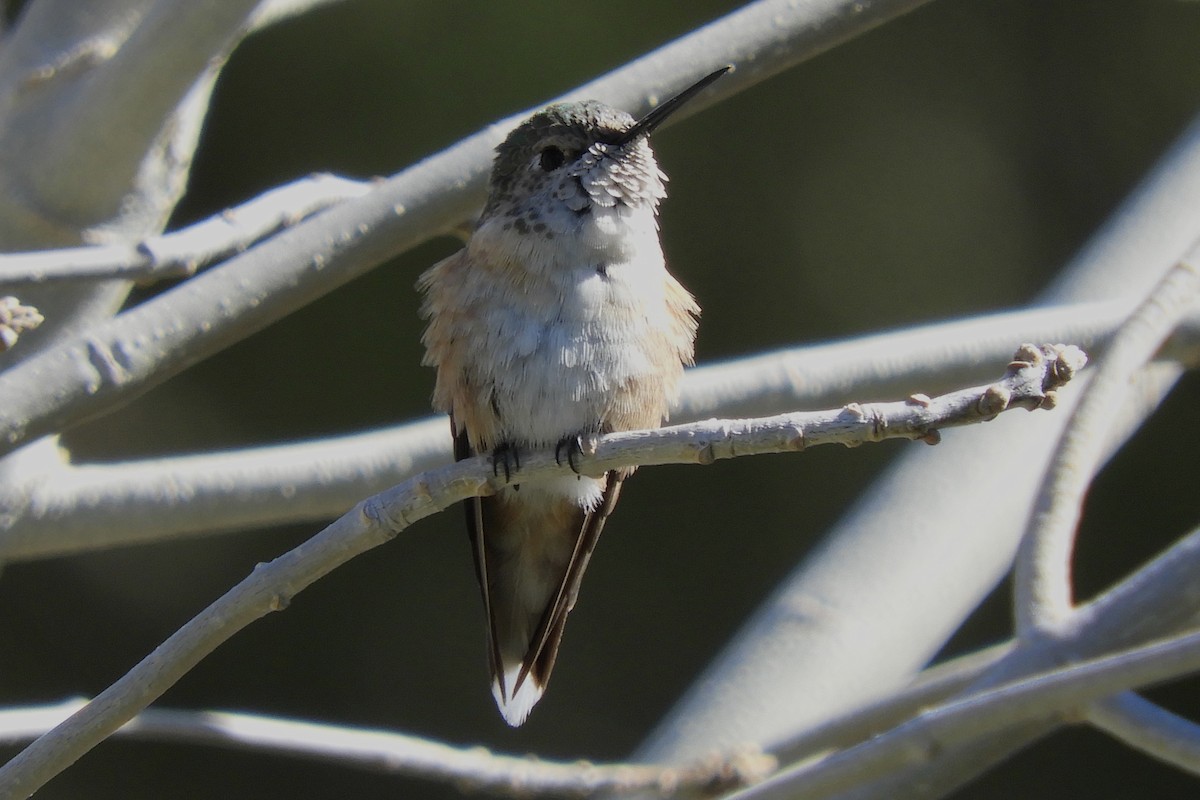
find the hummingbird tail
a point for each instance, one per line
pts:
(515, 706)
(532, 548)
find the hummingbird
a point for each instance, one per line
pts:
(558, 321)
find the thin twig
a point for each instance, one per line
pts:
(395, 753)
(181, 253)
(1030, 382)
(934, 356)
(1042, 576)
(402, 753)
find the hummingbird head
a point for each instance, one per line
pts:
(572, 158)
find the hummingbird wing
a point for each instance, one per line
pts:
(474, 514)
(543, 646)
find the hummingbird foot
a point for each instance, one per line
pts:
(573, 445)
(506, 456)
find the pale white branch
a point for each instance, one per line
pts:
(931, 687)
(1042, 577)
(392, 752)
(273, 11)
(130, 94)
(1150, 728)
(1030, 382)
(103, 103)
(1157, 601)
(181, 253)
(1047, 695)
(1144, 606)
(73, 509)
(935, 356)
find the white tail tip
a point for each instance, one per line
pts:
(518, 705)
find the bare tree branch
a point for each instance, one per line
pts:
(133, 353)
(131, 88)
(181, 253)
(1158, 600)
(1037, 697)
(77, 509)
(473, 768)
(1147, 606)
(1031, 382)
(935, 357)
(1153, 588)
(103, 104)
(1150, 728)
(1043, 568)
(932, 687)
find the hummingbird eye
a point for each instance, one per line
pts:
(551, 158)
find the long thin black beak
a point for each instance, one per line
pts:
(652, 120)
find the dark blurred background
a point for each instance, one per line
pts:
(945, 164)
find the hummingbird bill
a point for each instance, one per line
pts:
(556, 322)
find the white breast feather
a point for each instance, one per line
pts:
(557, 359)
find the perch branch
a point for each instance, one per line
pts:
(56, 508)
(1030, 382)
